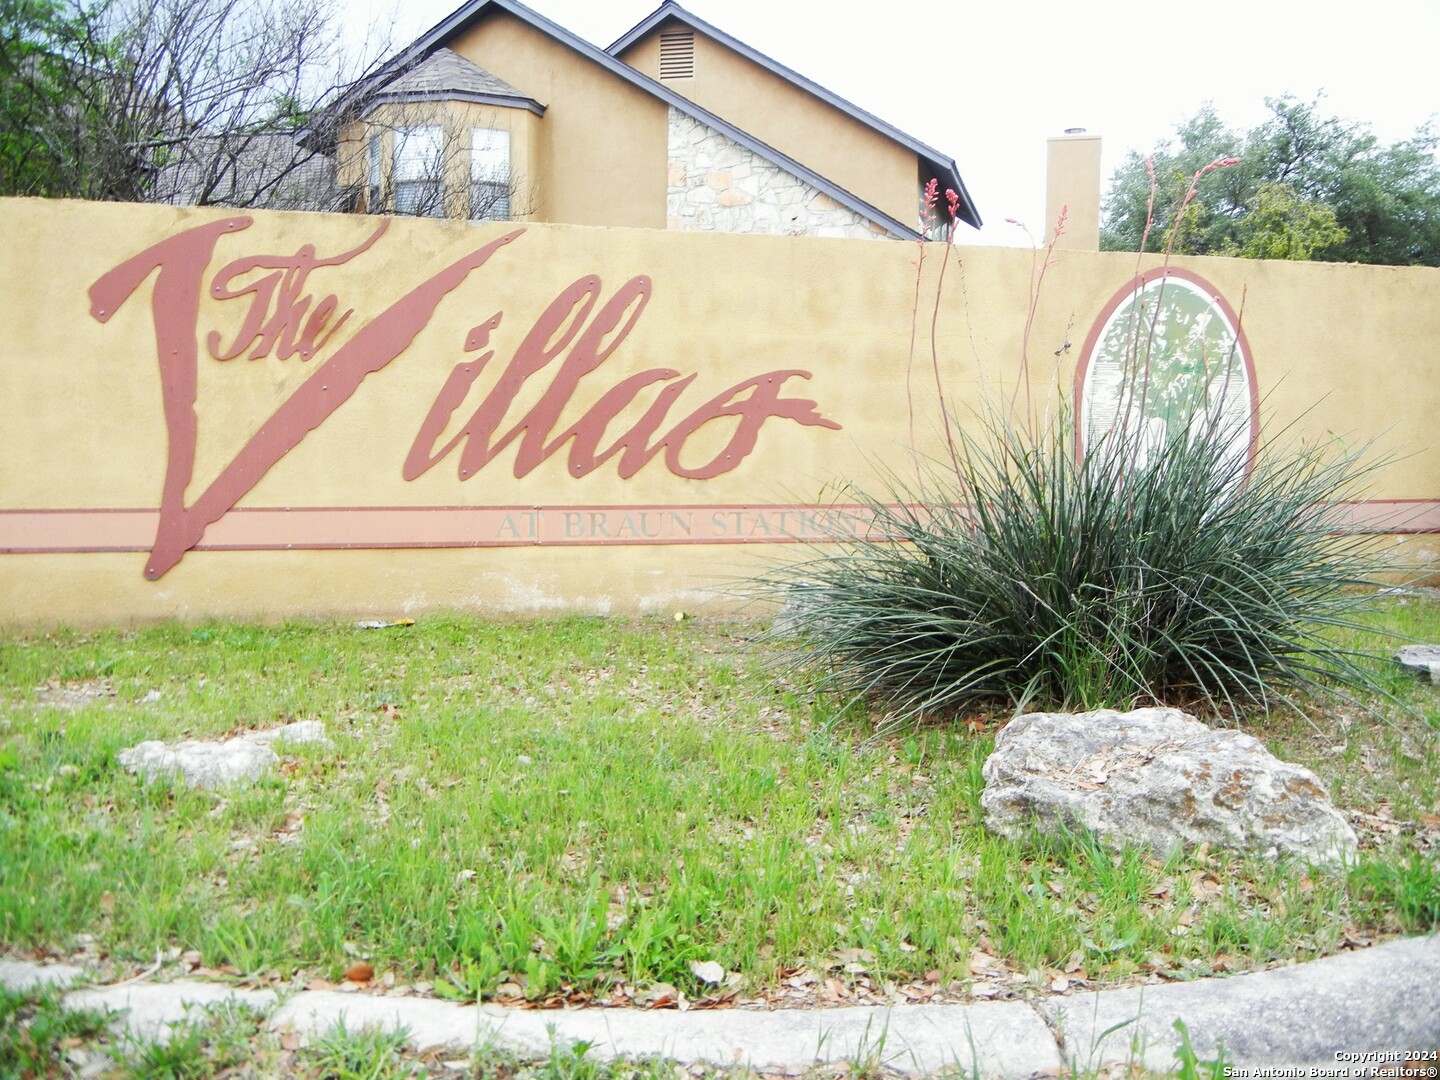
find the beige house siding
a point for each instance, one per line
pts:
(590, 147)
(601, 145)
(780, 114)
(458, 118)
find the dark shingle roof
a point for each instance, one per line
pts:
(449, 76)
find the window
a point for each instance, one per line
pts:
(419, 178)
(372, 203)
(489, 175)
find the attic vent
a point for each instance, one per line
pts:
(677, 55)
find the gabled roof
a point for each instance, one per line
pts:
(943, 167)
(471, 11)
(444, 75)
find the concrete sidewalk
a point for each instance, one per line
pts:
(1326, 1016)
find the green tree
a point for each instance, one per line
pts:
(45, 97)
(1306, 186)
(1283, 225)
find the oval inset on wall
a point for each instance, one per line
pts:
(1167, 352)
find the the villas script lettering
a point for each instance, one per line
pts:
(284, 320)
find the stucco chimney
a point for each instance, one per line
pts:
(1073, 180)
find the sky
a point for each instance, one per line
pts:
(989, 83)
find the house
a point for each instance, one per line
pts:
(497, 112)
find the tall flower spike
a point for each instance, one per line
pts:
(1149, 202)
(932, 196)
(927, 207)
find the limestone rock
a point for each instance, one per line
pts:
(218, 764)
(1421, 659)
(1160, 779)
(302, 731)
(799, 611)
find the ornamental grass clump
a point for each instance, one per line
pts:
(1162, 563)
(1026, 573)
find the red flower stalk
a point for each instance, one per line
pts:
(927, 220)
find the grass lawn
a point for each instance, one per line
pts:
(627, 812)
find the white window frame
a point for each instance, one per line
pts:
(373, 174)
(489, 174)
(417, 181)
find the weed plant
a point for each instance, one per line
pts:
(34, 1031)
(1027, 574)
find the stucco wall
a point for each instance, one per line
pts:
(351, 464)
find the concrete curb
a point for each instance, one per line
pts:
(1384, 1000)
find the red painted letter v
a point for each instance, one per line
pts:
(181, 261)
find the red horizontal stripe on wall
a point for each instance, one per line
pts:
(272, 528)
(314, 528)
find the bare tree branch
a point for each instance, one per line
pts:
(182, 101)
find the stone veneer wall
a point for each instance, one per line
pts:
(716, 185)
